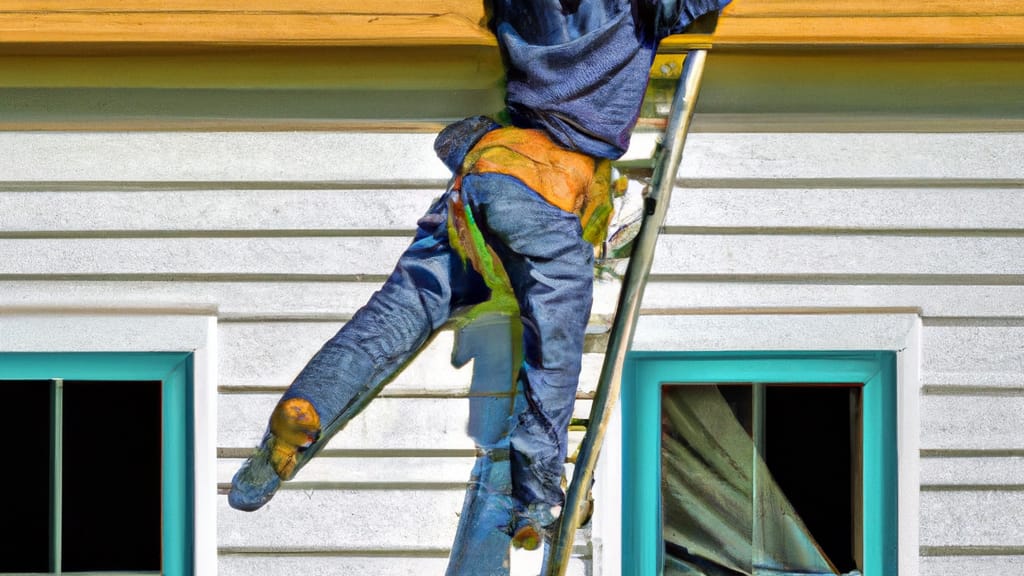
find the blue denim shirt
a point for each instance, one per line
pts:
(578, 68)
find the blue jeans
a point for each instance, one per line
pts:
(551, 270)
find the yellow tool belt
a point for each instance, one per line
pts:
(571, 181)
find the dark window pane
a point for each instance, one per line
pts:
(810, 453)
(25, 480)
(112, 461)
(716, 496)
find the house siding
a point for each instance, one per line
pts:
(284, 235)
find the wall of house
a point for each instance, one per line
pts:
(284, 234)
(779, 239)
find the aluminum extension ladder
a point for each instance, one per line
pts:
(666, 164)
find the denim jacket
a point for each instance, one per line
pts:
(578, 69)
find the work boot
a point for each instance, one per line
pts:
(294, 427)
(535, 525)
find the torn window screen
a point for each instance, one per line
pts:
(759, 480)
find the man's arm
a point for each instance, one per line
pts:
(667, 17)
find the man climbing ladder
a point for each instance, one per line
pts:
(513, 235)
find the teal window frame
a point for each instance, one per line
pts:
(644, 374)
(174, 370)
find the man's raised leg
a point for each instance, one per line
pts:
(352, 367)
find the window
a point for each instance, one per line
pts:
(101, 445)
(738, 463)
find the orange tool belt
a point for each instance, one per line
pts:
(571, 181)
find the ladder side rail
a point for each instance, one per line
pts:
(667, 160)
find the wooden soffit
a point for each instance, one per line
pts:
(126, 25)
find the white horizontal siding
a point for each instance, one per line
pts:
(409, 565)
(388, 423)
(895, 156)
(295, 522)
(403, 158)
(969, 355)
(265, 210)
(380, 470)
(261, 300)
(271, 354)
(207, 208)
(284, 235)
(972, 423)
(979, 518)
(973, 565)
(263, 354)
(86, 332)
(336, 300)
(885, 207)
(202, 256)
(967, 471)
(280, 565)
(765, 331)
(677, 255)
(345, 519)
(219, 157)
(932, 300)
(830, 254)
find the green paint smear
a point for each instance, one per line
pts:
(465, 236)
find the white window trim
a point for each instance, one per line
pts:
(109, 331)
(899, 331)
